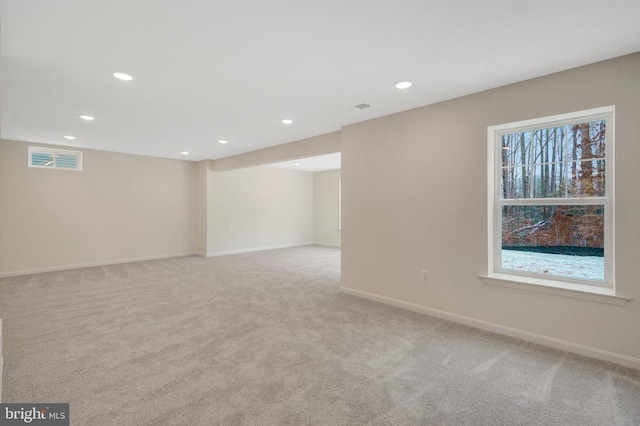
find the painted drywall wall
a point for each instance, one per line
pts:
(310, 147)
(258, 208)
(119, 207)
(326, 208)
(414, 197)
(202, 206)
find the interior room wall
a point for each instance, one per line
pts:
(120, 207)
(328, 143)
(258, 208)
(414, 188)
(203, 171)
(326, 208)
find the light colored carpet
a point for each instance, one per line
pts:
(267, 339)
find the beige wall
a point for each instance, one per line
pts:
(202, 206)
(119, 207)
(414, 197)
(310, 147)
(259, 207)
(326, 211)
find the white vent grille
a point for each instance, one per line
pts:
(48, 158)
(363, 106)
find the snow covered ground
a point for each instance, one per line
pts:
(581, 267)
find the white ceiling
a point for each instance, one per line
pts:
(207, 70)
(312, 164)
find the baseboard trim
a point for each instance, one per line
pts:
(93, 264)
(1, 360)
(318, 243)
(252, 250)
(588, 351)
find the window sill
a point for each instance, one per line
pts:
(557, 288)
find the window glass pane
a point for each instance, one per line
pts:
(514, 148)
(587, 140)
(565, 241)
(573, 142)
(552, 180)
(67, 161)
(550, 162)
(42, 159)
(548, 180)
(512, 182)
(586, 179)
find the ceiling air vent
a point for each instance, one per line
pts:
(363, 106)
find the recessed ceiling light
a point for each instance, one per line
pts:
(122, 76)
(87, 117)
(286, 121)
(70, 137)
(296, 164)
(223, 141)
(403, 84)
(185, 153)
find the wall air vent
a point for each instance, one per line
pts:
(363, 106)
(50, 158)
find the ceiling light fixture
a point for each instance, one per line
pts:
(87, 117)
(223, 141)
(122, 76)
(403, 84)
(286, 121)
(70, 137)
(185, 153)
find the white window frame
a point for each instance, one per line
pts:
(54, 152)
(498, 275)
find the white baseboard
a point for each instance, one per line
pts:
(318, 243)
(92, 264)
(591, 352)
(251, 250)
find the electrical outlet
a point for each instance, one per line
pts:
(425, 275)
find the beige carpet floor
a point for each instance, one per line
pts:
(267, 339)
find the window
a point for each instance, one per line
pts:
(550, 191)
(55, 158)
